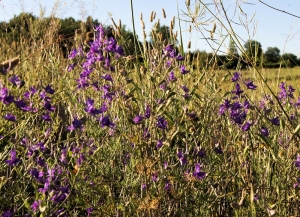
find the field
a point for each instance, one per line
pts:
(102, 133)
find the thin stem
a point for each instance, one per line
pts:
(133, 26)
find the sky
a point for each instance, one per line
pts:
(268, 26)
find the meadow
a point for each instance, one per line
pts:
(101, 133)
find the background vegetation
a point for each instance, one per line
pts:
(107, 124)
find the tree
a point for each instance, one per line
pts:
(232, 57)
(289, 60)
(272, 55)
(232, 49)
(253, 52)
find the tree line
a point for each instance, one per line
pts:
(28, 26)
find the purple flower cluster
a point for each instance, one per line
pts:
(13, 161)
(98, 55)
(237, 108)
(182, 158)
(99, 51)
(198, 174)
(285, 94)
(297, 165)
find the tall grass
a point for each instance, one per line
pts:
(104, 134)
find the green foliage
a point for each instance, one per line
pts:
(272, 55)
(289, 60)
(68, 26)
(18, 26)
(122, 169)
(232, 49)
(253, 52)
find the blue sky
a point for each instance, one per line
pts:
(271, 28)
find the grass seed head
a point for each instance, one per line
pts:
(214, 28)
(115, 25)
(120, 24)
(143, 24)
(151, 17)
(188, 3)
(164, 13)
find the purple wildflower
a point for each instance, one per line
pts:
(76, 124)
(15, 80)
(298, 102)
(105, 122)
(10, 117)
(8, 213)
(238, 91)
(168, 63)
(172, 76)
(119, 51)
(41, 161)
(182, 158)
(154, 177)
(297, 162)
(90, 107)
(82, 83)
(73, 53)
(96, 86)
(4, 97)
(35, 205)
(107, 77)
(282, 94)
(13, 161)
(250, 85)
(138, 119)
(235, 76)
(224, 107)
(162, 86)
(86, 72)
(159, 144)
(71, 67)
(30, 93)
(291, 90)
(46, 117)
(218, 149)
(246, 126)
(169, 48)
(168, 186)
(147, 111)
(89, 211)
(49, 107)
(38, 175)
(198, 174)
(200, 152)
(179, 57)
(58, 197)
(275, 121)
(264, 131)
(185, 89)
(161, 123)
(44, 96)
(183, 70)
(48, 89)
(63, 156)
